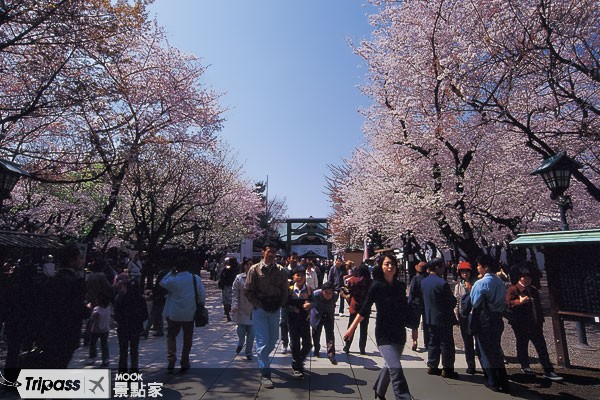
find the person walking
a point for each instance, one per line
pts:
(241, 311)
(527, 322)
(225, 283)
(415, 299)
(267, 289)
(99, 328)
(300, 301)
(336, 277)
(158, 294)
(179, 310)
(135, 267)
(358, 287)
(439, 303)
(283, 321)
(312, 280)
(130, 314)
(389, 296)
(322, 315)
(488, 297)
(463, 288)
(63, 309)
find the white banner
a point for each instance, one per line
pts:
(246, 248)
(64, 383)
(320, 249)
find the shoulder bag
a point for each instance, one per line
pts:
(201, 313)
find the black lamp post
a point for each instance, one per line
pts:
(556, 172)
(9, 175)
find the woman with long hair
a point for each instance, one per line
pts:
(389, 296)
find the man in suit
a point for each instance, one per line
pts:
(439, 303)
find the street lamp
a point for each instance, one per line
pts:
(556, 173)
(9, 175)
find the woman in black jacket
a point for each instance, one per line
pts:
(389, 296)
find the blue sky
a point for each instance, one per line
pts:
(289, 81)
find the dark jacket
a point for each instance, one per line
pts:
(130, 311)
(415, 295)
(438, 300)
(390, 300)
(63, 310)
(527, 316)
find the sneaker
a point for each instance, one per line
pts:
(298, 374)
(527, 371)
(553, 376)
(284, 350)
(266, 382)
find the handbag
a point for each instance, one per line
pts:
(201, 313)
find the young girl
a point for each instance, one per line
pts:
(389, 296)
(99, 328)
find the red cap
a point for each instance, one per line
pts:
(464, 265)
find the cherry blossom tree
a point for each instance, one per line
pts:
(176, 194)
(42, 43)
(433, 162)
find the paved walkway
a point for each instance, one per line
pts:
(218, 373)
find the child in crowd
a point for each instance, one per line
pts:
(298, 307)
(322, 315)
(99, 328)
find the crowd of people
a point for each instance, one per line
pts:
(294, 300)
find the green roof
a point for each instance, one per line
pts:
(559, 238)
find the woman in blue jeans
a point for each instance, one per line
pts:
(389, 296)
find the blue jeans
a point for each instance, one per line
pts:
(266, 330)
(392, 370)
(246, 333)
